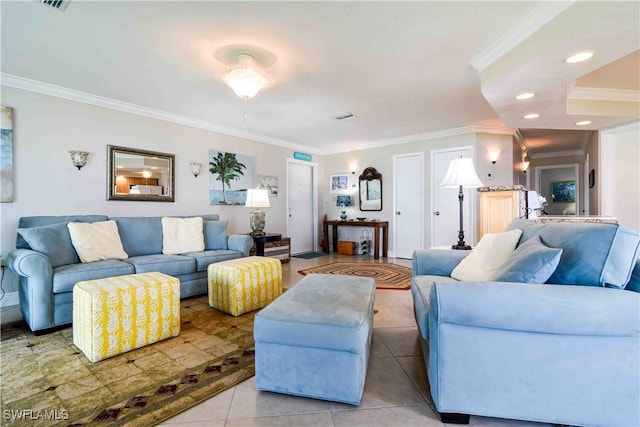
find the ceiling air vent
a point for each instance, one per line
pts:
(344, 116)
(56, 4)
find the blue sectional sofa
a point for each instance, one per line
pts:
(565, 352)
(49, 267)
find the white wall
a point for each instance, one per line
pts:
(619, 160)
(46, 183)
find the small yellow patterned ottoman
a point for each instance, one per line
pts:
(117, 314)
(242, 285)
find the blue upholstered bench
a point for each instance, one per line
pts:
(314, 340)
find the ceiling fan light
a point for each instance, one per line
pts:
(245, 82)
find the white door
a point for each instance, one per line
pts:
(408, 204)
(445, 207)
(302, 209)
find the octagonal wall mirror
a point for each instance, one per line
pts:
(140, 175)
(370, 190)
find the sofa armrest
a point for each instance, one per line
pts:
(548, 309)
(436, 262)
(36, 286)
(241, 243)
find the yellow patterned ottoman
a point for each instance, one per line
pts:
(117, 314)
(242, 285)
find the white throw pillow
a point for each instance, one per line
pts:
(181, 235)
(492, 251)
(96, 241)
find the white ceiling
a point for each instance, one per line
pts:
(407, 70)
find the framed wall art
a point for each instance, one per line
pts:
(230, 175)
(563, 192)
(269, 183)
(6, 155)
(339, 183)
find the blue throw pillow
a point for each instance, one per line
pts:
(531, 262)
(215, 234)
(52, 240)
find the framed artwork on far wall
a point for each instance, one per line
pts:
(269, 183)
(339, 183)
(6, 155)
(563, 192)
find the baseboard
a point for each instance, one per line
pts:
(9, 308)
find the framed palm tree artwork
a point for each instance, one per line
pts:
(230, 175)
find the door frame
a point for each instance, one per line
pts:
(471, 235)
(579, 181)
(420, 154)
(314, 197)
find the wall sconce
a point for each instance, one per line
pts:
(195, 168)
(78, 158)
(493, 156)
(525, 166)
(352, 168)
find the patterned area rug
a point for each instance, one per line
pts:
(387, 276)
(46, 380)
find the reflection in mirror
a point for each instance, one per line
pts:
(370, 190)
(140, 175)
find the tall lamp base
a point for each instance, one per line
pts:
(461, 247)
(257, 222)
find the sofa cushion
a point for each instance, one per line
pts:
(96, 241)
(491, 252)
(532, 262)
(140, 235)
(204, 258)
(215, 234)
(180, 235)
(594, 254)
(634, 282)
(39, 221)
(53, 241)
(173, 265)
(66, 276)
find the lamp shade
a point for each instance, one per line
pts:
(343, 201)
(257, 198)
(533, 200)
(461, 173)
(245, 80)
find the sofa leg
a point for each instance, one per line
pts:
(453, 418)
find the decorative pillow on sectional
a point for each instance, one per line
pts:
(532, 262)
(489, 254)
(53, 241)
(181, 235)
(97, 240)
(215, 235)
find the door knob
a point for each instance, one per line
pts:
(436, 213)
(398, 213)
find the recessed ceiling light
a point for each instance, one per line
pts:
(526, 95)
(583, 123)
(579, 57)
(532, 116)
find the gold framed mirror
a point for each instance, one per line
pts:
(370, 190)
(140, 175)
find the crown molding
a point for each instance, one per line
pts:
(602, 94)
(112, 104)
(519, 32)
(557, 154)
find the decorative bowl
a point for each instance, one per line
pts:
(361, 218)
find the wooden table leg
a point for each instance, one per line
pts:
(385, 240)
(325, 236)
(376, 245)
(335, 238)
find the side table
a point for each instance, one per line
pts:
(261, 240)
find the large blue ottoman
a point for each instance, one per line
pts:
(314, 340)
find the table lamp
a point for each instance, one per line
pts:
(343, 201)
(461, 174)
(257, 198)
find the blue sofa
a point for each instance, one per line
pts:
(563, 352)
(48, 271)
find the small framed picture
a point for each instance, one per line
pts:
(339, 183)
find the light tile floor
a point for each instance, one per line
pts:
(396, 392)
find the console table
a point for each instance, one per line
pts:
(377, 226)
(264, 238)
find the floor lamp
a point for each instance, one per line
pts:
(461, 174)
